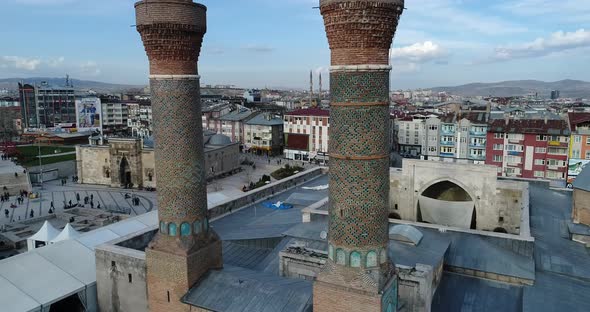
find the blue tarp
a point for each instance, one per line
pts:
(280, 206)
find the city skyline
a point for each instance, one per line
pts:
(255, 44)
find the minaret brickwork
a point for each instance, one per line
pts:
(359, 276)
(185, 247)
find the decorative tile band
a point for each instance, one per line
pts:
(365, 259)
(357, 68)
(175, 77)
(179, 154)
(360, 87)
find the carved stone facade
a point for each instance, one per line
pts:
(358, 276)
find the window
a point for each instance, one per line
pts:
(432, 149)
(541, 150)
(498, 135)
(513, 136)
(498, 147)
(447, 150)
(416, 126)
(514, 148)
(513, 160)
(497, 158)
(540, 162)
(416, 141)
(557, 151)
(371, 259)
(541, 138)
(575, 154)
(587, 155)
(577, 139)
(539, 174)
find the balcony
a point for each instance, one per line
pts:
(514, 153)
(477, 133)
(553, 167)
(478, 145)
(447, 143)
(447, 132)
(516, 141)
(447, 154)
(477, 157)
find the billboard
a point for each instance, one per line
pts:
(575, 168)
(89, 114)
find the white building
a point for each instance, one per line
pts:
(115, 117)
(263, 134)
(306, 134)
(139, 120)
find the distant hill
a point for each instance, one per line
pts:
(101, 87)
(567, 88)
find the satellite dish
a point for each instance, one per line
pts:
(323, 235)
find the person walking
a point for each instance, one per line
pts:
(51, 205)
(78, 197)
(92, 204)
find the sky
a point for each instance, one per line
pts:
(275, 43)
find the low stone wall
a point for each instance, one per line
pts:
(64, 168)
(263, 193)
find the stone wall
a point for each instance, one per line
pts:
(93, 164)
(581, 208)
(121, 278)
(498, 204)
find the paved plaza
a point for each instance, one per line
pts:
(115, 199)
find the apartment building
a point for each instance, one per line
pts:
(263, 134)
(115, 117)
(307, 134)
(529, 148)
(139, 120)
(232, 124)
(451, 137)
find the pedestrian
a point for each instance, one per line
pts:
(32, 214)
(51, 205)
(98, 207)
(16, 174)
(70, 202)
(91, 196)
(77, 197)
(92, 204)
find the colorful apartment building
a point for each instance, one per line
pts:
(579, 151)
(529, 148)
(306, 134)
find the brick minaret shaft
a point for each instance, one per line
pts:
(184, 247)
(359, 276)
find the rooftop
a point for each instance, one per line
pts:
(530, 126)
(309, 112)
(265, 120)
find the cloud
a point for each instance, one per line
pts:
(18, 62)
(57, 62)
(90, 68)
(556, 42)
(420, 52)
(257, 48)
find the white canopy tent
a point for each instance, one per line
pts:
(42, 237)
(67, 233)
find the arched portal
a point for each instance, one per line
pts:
(447, 203)
(125, 172)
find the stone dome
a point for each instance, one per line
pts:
(219, 140)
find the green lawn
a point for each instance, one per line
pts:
(33, 151)
(28, 155)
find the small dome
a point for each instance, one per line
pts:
(220, 140)
(405, 233)
(148, 142)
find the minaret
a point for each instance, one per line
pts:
(320, 95)
(185, 247)
(310, 88)
(358, 275)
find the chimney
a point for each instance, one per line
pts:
(507, 119)
(489, 107)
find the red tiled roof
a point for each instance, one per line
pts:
(309, 112)
(297, 141)
(533, 126)
(578, 118)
